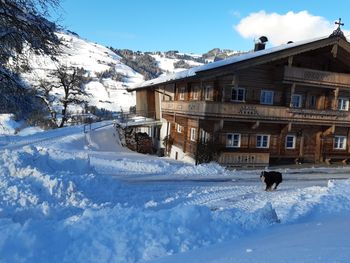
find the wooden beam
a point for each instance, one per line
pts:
(348, 141)
(334, 50)
(301, 148)
(292, 90)
(335, 99)
(290, 61)
(256, 125)
(329, 131)
(318, 148)
(235, 81)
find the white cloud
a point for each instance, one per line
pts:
(283, 28)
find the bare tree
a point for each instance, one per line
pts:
(68, 81)
(43, 91)
(22, 24)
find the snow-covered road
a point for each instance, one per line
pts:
(66, 195)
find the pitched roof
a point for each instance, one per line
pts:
(193, 72)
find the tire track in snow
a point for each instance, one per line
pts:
(220, 196)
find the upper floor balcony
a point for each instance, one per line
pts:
(312, 77)
(255, 112)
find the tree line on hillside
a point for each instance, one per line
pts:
(146, 65)
(142, 63)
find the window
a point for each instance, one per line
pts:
(312, 101)
(343, 104)
(179, 128)
(157, 132)
(204, 136)
(182, 93)
(262, 141)
(207, 92)
(195, 93)
(193, 134)
(296, 101)
(233, 140)
(266, 97)
(290, 141)
(339, 142)
(238, 94)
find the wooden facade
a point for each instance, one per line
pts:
(288, 104)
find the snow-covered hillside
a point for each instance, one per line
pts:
(167, 64)
(154, 64)
(108, 73)
(70, 196)
(106, 92)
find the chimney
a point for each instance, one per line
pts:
(260, 43)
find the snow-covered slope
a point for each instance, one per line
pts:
(106, 92)
(166, 63)
(108, 73)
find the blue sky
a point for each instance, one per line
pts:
(199, 25)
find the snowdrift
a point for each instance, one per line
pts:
(61, 200)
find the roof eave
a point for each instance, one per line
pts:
(272, 56)
(257, 60)
(155, 85)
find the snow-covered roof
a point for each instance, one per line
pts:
(229, 61)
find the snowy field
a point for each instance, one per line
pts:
(70, 196)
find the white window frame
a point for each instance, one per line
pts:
(195, 93)
(232, 144)
(294, 141)
(263, 138)
(204, 136)
(182, 91)
(193, 134)
(179, 128)
(343, 104)
(263, 97)
(237, 97)
(298, 102)
(207, 92)
(339, 142)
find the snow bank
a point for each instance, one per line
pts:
(61, 201)
(122, 234)
(202, 169)
(336, 200)
(92, 218)
(8, 125)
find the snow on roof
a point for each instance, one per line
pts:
(232, 60)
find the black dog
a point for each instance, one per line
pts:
(271, 178)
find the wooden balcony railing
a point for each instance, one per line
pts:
(254, 112)
(316, 77)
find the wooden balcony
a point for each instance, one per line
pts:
(206, 109)
(244, 159)
(311, 77)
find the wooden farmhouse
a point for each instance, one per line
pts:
(285, 104)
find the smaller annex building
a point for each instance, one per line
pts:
(285, 104)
